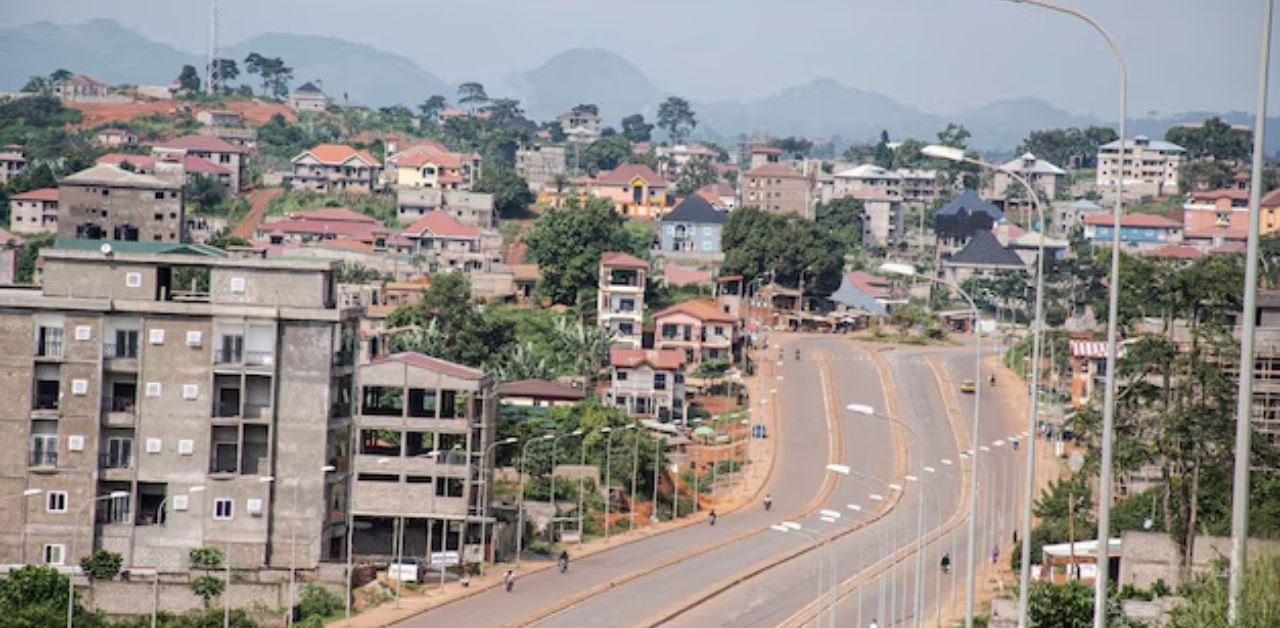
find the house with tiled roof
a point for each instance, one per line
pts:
(82, 88)
(538, 393)
(692, 228)
(963, 216)
(698, 328)
(330, 223)
(1137, 231)
(35, 211)
(861, 291)
(170, 167)
(12, 162)
(335, 168)
(581, 126)
(635, 189)
(308, 97)
(231, 157)
(983, 256)
(777, 189)
(447, 244)
(721, 195)
(1045, 177)
(428, 164)
(647, 383)
(620, 296)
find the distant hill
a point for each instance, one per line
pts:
(582, 76)
(364, 73)
(103, 49)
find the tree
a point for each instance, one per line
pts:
(432, 107)
(791, 250)
(695, 174)
(1205, 174)
(586, 344)
(208, 587)
(223, 239)
(473, 95)
(635, 129)
(224, 71)
(566, 243)
(504, 110)
(60, 76)
(511, 195)
(458, 331)
(843, 218)
(883, 155)
(205, 192)
(37, 85)
(676, 117)
(588, 108)
(952, 173)
(34, 595)
(1206, 598)
(101, 564)
(605, 153)
(189, 79)
(523, 362)
(1070, 147)
(274, 73)
(908, 155)
(793, 145)
(1213, 139)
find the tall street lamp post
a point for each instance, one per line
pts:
(293, 544)
(1113, 305)
(971, 580)
(608, 485)
(486, 475)
(71, 567)
(22, 530)
(524, 456)
(957, 155)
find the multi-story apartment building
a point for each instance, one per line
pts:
(446, 244)
(424, 426)
(919, 186)
(635, 189)
(166, 397)
(778, 189)
(647, 382)
(581, 125)
(699, 329)
(1150, 166)
(620, 297)
(232, 157)
(335, 168)
(866, 177)
(540, 165)
(1044, 176)
(34, 212)
(106, 202)
(12, 162)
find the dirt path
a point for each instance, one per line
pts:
(258, 209)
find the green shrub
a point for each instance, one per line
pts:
(318, 601)
(208, 587)
(207, 557)
(101, 564)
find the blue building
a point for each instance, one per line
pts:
(693, 227)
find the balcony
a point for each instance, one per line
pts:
(246, 358)
(49, 349)
(113, 351)
(46, 397)
(119, 411)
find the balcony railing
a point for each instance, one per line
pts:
(46, 401)
(119, 404)
(108, 461)
(39, 458)
(249, 358)
(49, 349)
(125, 351)
(222, 465)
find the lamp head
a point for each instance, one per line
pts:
(945, 153)
(842, 469)
(860, 408)
(897, 268)
(510, 440)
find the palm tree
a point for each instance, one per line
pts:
(587, 347)
(427, 340)
(523, 363)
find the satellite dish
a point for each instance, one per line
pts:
(105, 248)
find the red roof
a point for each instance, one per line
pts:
(774, 170)
(868, 283)
(336, 228)
(664, 359)
(335, 214)
(1154, 221)
(765, 150)
(347, 245)
(1175, 251)
(701, 310)
(141, 162)
(203, 143)
(1272, 199)
(1229, 247)
(677, 275)
(1213, 195)
(418, 155)
(340, 153)
(147, 163)
(440, 223)
(8, 238)
(200, 165)
(42, 194)
(1238, 231)
(432, 364)
(615, 259)
(626, 173)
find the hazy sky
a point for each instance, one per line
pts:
(939, 55)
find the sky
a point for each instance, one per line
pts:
(938, 55)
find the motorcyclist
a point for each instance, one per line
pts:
(946, 563)
(797, 355)
(712, 517)
(993, 379)
(509, 579)
(564, 561)
(768, 502)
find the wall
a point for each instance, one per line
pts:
(1150, 556)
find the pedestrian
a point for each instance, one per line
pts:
(509, 579)
(768, 502)
(712, 518)
(466, 578)
(995, 554)
(873, 623)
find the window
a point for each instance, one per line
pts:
(186, 447)
(55, 501)
(706, 231)
(158, 216)
(133, 280)
(254, 506)
(75, 442)
(659, 381)
(153, 389)
(193, 339)
(159, 196)
(156, 336)
(223, 508)
(53, 553)
(154, 445)
(79, 386)
(237, 285)
(83, 332)
(621, 376)
(190, 391)
(180, 502)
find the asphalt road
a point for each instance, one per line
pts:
(777, 594)
(798, 471)
(802, 459)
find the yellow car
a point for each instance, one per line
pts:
(966, 386)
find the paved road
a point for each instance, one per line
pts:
(798, 473)
(778, 593)
(805, 457)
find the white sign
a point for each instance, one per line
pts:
(444, 558)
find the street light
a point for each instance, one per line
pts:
(845, 470)
(971, 580)
(71, 595)
(484, 491)
(1113, 306)
(1244, 394)
(555, 445)
(635, 476)
(226, 592)
(524, 455)
(880, 548)
(787, 527)
(1037, 339)
(608, 488)
(22, 530)
(293, 543)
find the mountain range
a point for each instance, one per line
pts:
(822, 108)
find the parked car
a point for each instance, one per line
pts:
(759, 431)
(967, 386)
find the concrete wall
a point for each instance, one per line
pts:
(1150, 556)
(122, 597)
(82, 204)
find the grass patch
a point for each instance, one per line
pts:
(379, 206)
